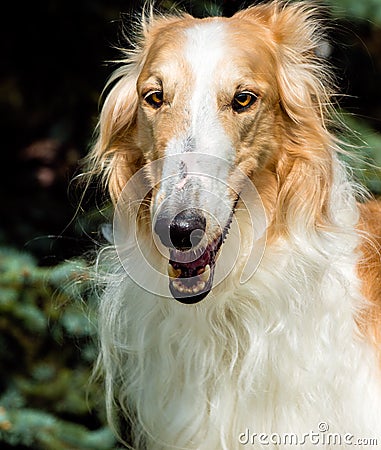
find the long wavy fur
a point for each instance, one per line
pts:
(281, 352)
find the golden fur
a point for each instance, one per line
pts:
(283, 144)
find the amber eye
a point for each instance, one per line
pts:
(154, 99)
(243, 100)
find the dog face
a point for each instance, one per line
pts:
(207, 107)
(214, 101)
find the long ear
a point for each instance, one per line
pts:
(304, 168)
(297, 29)
(305, 87)
(115, 156)
(304, 79)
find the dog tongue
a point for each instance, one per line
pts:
(193, 288)
(191, 268)
(190, 281)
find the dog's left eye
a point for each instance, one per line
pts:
(243, 100)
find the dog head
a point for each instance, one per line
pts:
(215, 101)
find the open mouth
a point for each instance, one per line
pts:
(191, 281)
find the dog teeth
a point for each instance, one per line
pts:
(205, 275)
(202, 279)
(199, 287)
(172, 272)
(179, 286)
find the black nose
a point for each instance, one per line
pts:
(162, 230)
(184, 231)
(187, 229)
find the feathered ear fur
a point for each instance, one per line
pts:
(303, 80)
(304, 168)
(116, 154)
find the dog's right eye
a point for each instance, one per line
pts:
(154, 99)
(243, 100)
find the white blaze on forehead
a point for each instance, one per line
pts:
(205, 49)
(205, 52)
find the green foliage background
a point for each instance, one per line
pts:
(49, 88)
(47, 350)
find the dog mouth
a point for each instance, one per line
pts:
(191, 273)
